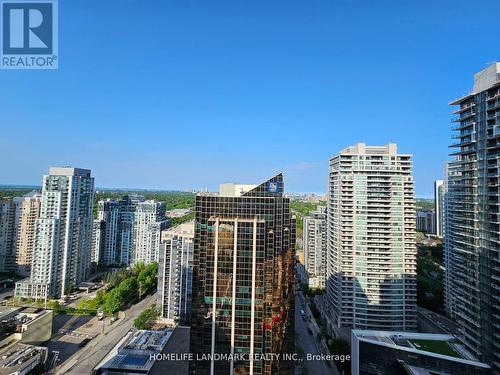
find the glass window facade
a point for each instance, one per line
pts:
(243, 279)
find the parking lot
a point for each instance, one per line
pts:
(83, 295)
(71, 332)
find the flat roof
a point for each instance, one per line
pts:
(485, 79)
(437, 345)
(18, 357)
(69, 171)
(135, 350)
(186, 229)
(178, 212)
(178, 344)
(18, 313)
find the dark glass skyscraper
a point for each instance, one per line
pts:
(243, 279)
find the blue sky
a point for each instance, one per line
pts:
(187, 94)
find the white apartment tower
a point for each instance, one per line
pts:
(439, 206)
(106, 233)
(371, 251)
(314, 234)
(175, 273)
(147, 227)
(63, 238)
(128, 230)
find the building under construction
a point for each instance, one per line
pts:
(243, 279)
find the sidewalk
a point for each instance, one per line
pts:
(322, 345)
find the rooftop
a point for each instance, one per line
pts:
(178, 212)
(186, 229)
(34, 194)
(363, 149)
(17, 320)
(234, 190)
(69, 171)
(134, 352)
(271, 188)
(483, 80)
(435, 346)
(21, 315)
(20, 358)
(440, 345)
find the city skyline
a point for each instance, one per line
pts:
(289, 70)
(145, 148)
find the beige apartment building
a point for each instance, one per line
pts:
(26, 214)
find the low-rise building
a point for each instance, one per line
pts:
(21, 359)
(26, 288)
(382, 352)
(26, 325)
(142, 352)
(21, 331)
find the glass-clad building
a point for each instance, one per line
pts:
(243, 279)
(472, 219)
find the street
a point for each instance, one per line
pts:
(82, 362)
(436, 323)
(308, 342)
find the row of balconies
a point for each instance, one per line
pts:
(463, 116)
(494, 96)
(464, 108)
(463, 126)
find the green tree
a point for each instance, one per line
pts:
(55, 306)
(113, 302)
(146, 279)
(138, 268)
(127, 289)
(93, 303)
(146, 319)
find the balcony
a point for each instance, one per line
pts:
(463, 116)
(464, 108)
(494, 96)
(465, 142)
(463, 126)
(463, 134)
